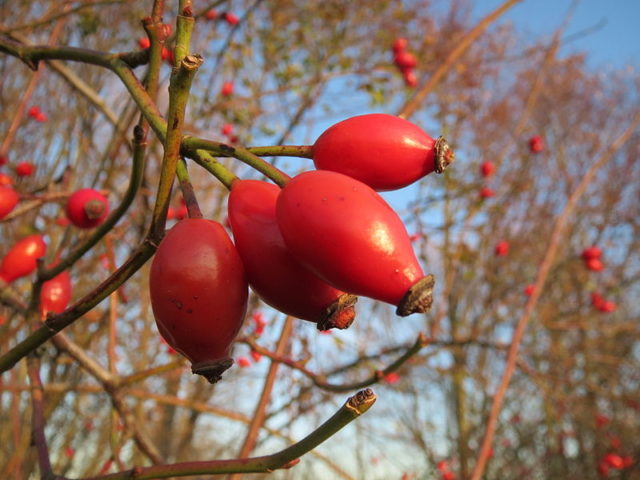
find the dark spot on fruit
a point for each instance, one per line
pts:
(189, 310)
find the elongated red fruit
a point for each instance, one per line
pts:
(20, 260)
(199, 294)
(384, 151)
(273, 273)
(346, 233)
(8, 200)
(55, 294)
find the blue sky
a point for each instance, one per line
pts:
(611, 35)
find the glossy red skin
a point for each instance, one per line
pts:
(198, 290)
(55, 294)
(345, 232)
(384, 151)
(76, 212)
(21, 259)
(273, 272)
(8, 200)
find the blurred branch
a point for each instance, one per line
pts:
(414, 103)
(38, 422)
(541, 278)
(352, 409)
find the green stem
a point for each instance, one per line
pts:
(352, 409)
(242, 154)
(302, 151)
(211, 164)
(179, 86)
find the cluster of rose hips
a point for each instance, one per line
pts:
(405, 61)
(85, 208)
(592, 257)
(307, 249)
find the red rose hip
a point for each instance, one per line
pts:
(55, 294)
(8, 200)
(384, 151)
(199, 294)
(20, 260)
(273, 272)
(87, 208)
(345, 232)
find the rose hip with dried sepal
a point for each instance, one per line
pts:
(344, 232)
(87, 208)
(384, 151)
(199, 294)
(272, 270)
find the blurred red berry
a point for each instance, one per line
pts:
(227, 129)
(529, 289)
(594, 264)
(230, 18)
(5, 179)
(536, 144)
(255, 356)
(3, 160)
(211, 14)
(399, 44)
(227, 89)
(613, 460)
(486, 192)
(601, 420)
(144, 42)
(608, 306)
(502, 248)
(487, 169)
(34, 111)
(25, 169)
(243, 362)
(405, 60)
(591, 252)
(449, 475)
(391, 378)
(410, 78)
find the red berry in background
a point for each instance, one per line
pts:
(487, 169)
(608, 306)
(486, 192)
(87, 208)
(591, 253)
(167, 55)
(5, 179)
(144, 42)
(273, 272)
(391, 378)
(529, 289)
(597, 301)
(230, 18)
(199, 294)
(536, 144)
(41, 117)
(502, 248)
(613, 460)
(603, 469)
(8, 200)
(25, 169)
(405, 60)
(182, 212)
(399, 44)
(20, 260)
(255, 356)
(3, 160)
(384, 151)
(211, 14)
(627, 461)
(346, 233)
(244, 362)
(227, 129)
(55, 294)
(448, 475)
(227, 89)
(34, 111)
(410, 78)
(594, 264)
